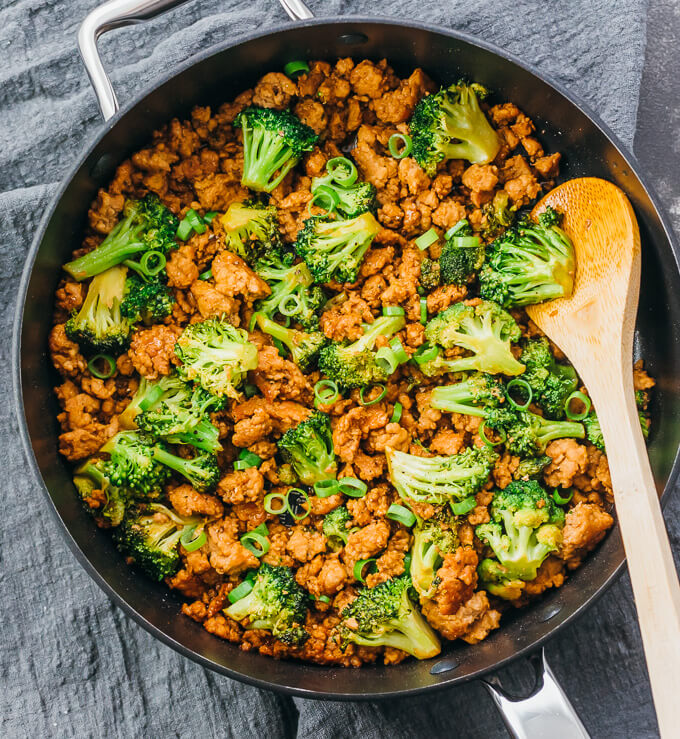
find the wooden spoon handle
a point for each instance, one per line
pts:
(648, 551)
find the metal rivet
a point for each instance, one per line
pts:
(444, 665)
(549, 612)
(352, 38)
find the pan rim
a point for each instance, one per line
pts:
(95, 139)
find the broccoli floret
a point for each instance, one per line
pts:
(252, 231)
(304, 347)
(485, 329)
(293, 293)
(528, 434)
(216, 355)
(99, 325)
(526, 526)
(471, 397)
(309, 449)
(531, 468)
(440, 480)
(462, 254)
(551, 383)
(432, 539)
(334, 250)
(498, 216)
(132, 465)
(594, 431)
(175, 411)
(430, 274)
(386, 616)
(202, 471)
(151, 534)
(92, 484)
(146, 301)
(276, 603)
(147, 225)
(273, 143)
(355, 365)
(336, 527)
(529, 264)
(350, 202)
(497, 580)
(450, 125)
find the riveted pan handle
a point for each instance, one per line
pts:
(545, 712)
(118, 13)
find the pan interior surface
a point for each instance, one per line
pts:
(210, 79)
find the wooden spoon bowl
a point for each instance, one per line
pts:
(594, 327)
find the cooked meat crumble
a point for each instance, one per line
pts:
(195, 166)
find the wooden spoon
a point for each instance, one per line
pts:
(594, 328)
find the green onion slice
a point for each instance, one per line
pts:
(423, 311)
(326, 488)
(342, 171)
(464, 242)
(577, 395)
(407, 562)
(192, 543)
(296, 68)
(465, 506)
(396, 413)
(324, 599)
(276, 503)
(246, 460)
(281, 348)
(195, 221)
(399, 352)
(290, 305)
(209, 217)
(485, 438)
(383, 393)
(153, 262)
(458, 227)
(249, 390)
(427, 239)
(518, 382)
(324, 197)
(184, 230)
(240, 591)
(559, 499)
(98, 359)
(207, 275)
(325, 392)
(255, 542)
(358, 570)
(386, 359)
(305, 501)
(152, 398)
(401, 514)
(352, 487)
(400, 145)
(393, 310)
(425, 353)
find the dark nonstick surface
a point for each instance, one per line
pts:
(586, 149)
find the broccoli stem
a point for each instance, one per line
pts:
(121, 243)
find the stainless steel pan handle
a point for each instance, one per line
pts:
(546, 712)
(118, 13)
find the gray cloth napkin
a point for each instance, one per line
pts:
(71, 664)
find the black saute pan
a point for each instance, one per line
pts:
(216, 75)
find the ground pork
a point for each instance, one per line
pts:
(196, 164)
